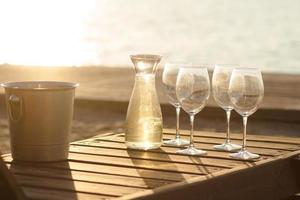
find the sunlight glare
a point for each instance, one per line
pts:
(44, 33)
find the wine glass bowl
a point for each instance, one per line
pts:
(246, 91)
(192, 89)
(193, 96)
(220, 86)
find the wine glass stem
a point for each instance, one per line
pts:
(177, 122)
(228, 112)
(192, 116)
(245, 132)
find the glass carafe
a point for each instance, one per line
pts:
(143, 126)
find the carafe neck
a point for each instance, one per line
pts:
(145, 63)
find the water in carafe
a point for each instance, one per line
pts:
(143, 127)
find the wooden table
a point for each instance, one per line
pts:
(102, 168)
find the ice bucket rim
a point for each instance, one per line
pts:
(39, 85)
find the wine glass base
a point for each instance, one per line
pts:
(177, 142)
(227, 146)
(191, 151)
(244, 155)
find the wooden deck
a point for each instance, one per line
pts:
(102, 168)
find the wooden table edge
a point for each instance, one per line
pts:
(187, 183)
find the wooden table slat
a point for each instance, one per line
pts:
(250, 143)
(118, 143)
(113, 170)
(198, 138)
(250, 137)
(138, 182)
(143, 164)
(50, 194)
(81, 186)
(157, 156)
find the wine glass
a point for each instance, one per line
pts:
(192, 89)
(246, 91)
(220, 85)
(169, 82)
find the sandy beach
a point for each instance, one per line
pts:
(102, 99)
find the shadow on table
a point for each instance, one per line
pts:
(51, 180)
(155, 167)
(200, 165)
(211, 170)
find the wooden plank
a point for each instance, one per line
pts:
(212, 141)
(143, 164)
(156, 156)
(36, 193)
(218, 140)
(31, 170)
(75, 186)
(269, 179)
(261, 138)
(108, 143)
(113, 170)
(212, 154)
(250, 143)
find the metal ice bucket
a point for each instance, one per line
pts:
(40, 115)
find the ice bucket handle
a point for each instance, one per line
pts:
(15, 101)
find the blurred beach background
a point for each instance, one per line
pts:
(89, 41)
(104, 32)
